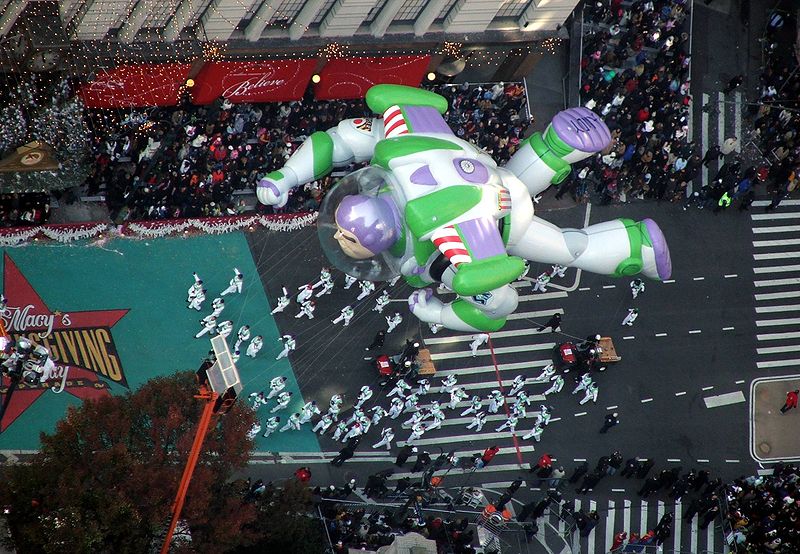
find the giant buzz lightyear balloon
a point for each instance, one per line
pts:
(437, 209)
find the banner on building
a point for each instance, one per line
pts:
(136, 86)
(348, 78)
(257, 81)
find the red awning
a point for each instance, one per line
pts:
(260, 81)
(347, 78)
(133, 86)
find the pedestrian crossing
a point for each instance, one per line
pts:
(778, 334)
(633, 516)
(720, 118)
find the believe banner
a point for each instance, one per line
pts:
(259, 81)
(136, 86)
(347, 78)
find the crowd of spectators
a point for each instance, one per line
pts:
(189, 161)
(24, 209)
(764, 511)
(776, 112)
(635, 74)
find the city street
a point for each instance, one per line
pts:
(680, 390)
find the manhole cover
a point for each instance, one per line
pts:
(764, 448)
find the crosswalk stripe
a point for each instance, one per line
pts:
(693, 538)
(779, 336)
(776, 256)
(774, 215)
(777, 322)
(704, 138)
(779, 349)
(643, 518)
(776, 269)
(776, 229)
(781, 242)
(777, 282)
(590, 549)
(468, 338)
(780, 308)
(541, 313)
(610, 526)
(459, 438)
(737, 119)
(677, 526)
(778, 295)
(788, 202)
(457, 470)
(490, 368)
(486, 352)
(542, 296)
(710, 538)
(778, 363)
(720, 118)
(659, 510)
(626, 516)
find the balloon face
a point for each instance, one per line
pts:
(350, 244)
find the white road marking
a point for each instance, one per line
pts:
(542, 313)
(693, 537)
(710, 534)
(698, 278)
(609, 286)
(737, 118)
(499, 485)
(776, 322)
(724, 399)
(661, 334)
(776, 269)
(579, 459)
(680, 393)
(668, 281)
(579, 414)
(646, 400)
(779, 349)
(585, 288)
(774, 309)
(739, 382)
(784, 203)
(459, 438)
(776, 229)
(490, 368)
(731, 276)
(643, 518)
(777, 363)
(778, 295)
(468, 337)
(676, 546)
(776, 256)
(779, 336)
(703, 142)
(702, 461)
(732, 461)
(590, 545)
(628, 338)
(541, 296)
(674, 460)
(728, 328)
(626, 514)
(695, 331)
(487, 352)
(778, 242)
(708, 388)
(720, 120)
(774, 215)
(612, 407)
(617, 490)
(777, 282)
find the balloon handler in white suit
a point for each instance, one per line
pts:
(437, 209)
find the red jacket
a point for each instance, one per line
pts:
(791, 399)
(489, 454)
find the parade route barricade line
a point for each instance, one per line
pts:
(724, 399)
(503, 350)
